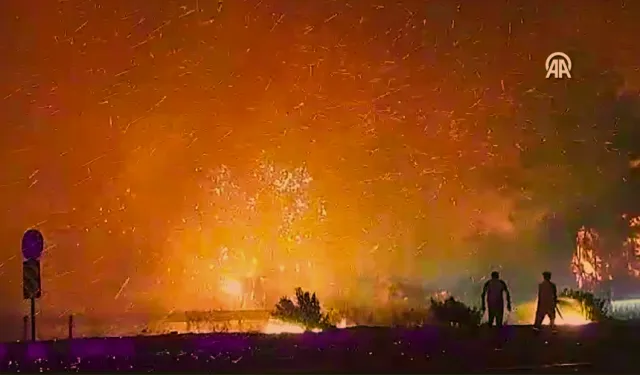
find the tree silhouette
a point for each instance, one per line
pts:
(306, 312)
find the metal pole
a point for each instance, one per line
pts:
(33, 319)
(25, 328)
(70, 327)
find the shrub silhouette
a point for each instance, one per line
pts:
(594, 308)
(454, 313)
(411, 318)
(305, 312)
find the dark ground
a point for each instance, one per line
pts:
(611, 348)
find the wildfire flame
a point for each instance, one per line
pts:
(343, 324)
(587, 263)
(254, 239)
(572, 313)
(231, 287)
(632, 247)
(592, 263)
(276, 326)
(571, 310)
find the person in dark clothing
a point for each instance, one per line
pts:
(547, 301)
(493, 293)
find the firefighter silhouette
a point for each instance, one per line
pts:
(547, 301)
(493, 294)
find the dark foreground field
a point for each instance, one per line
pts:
(593, 348)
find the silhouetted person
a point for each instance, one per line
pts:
(547, 301)
(494, 292)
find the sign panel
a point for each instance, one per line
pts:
(31, 287)
(32, 244)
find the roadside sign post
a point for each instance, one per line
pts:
(33, 319)
(32, 247)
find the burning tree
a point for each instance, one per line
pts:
(632, 248)
(594, 262)
(588, 263)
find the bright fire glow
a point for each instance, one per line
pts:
(572, 314)
(275, 326)
(257, 236)
(231, 287)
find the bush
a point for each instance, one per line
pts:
(454, 313)
(411, 318)
(306, 312)
(594, 308)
